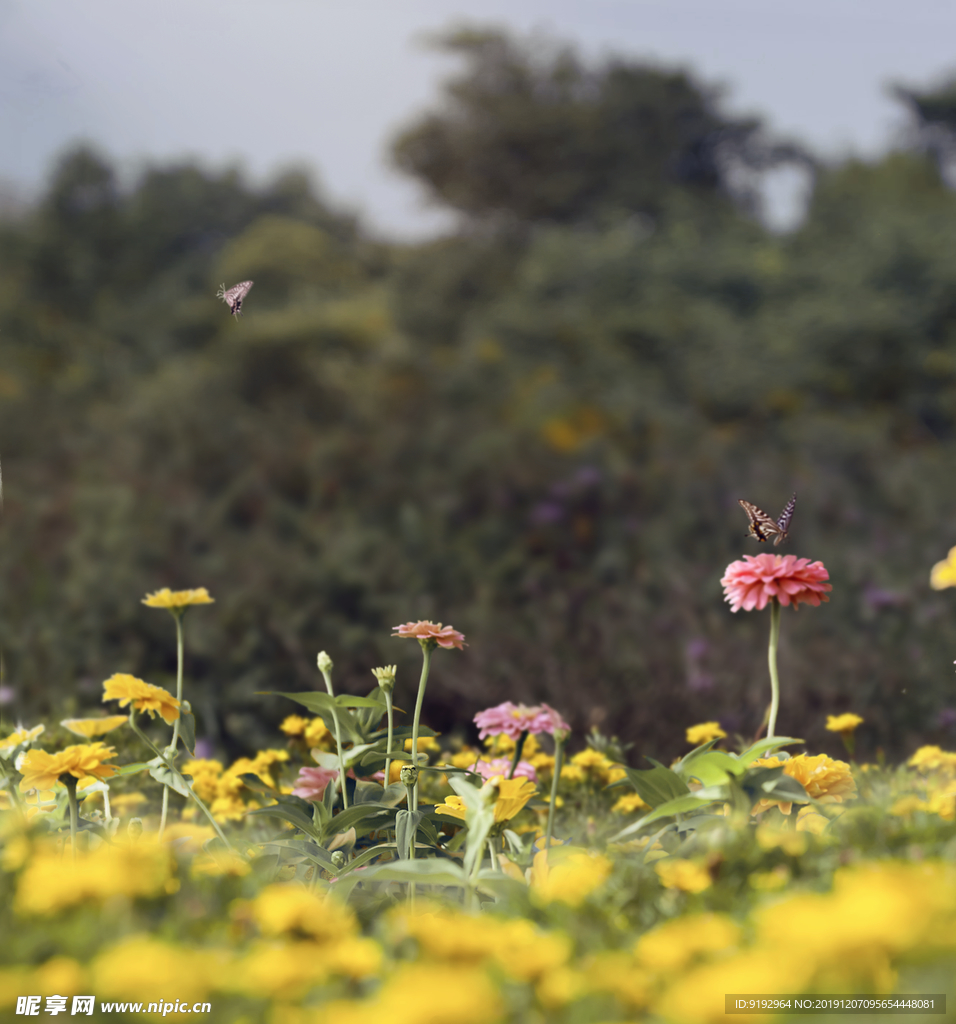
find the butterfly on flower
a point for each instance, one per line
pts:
(234, 296)
(763, 527)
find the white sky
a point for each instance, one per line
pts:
(269, 83)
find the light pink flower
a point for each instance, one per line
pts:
(443, 636)
(502, 765)
(750, 583)
(514, 719)
(311, 782)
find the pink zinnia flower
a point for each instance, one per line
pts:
(750, 583)
(443, 636)
(514, 719)
(502, 765)
(311, 782)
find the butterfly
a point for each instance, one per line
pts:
(233, 298)
(763, 527)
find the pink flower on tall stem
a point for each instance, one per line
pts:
(514, 719)
(443, 636)
(501, 766)
(751, 583)
(311, 782)
(775, 579)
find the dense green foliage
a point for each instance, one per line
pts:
(536, 428)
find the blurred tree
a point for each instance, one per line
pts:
(529, 133)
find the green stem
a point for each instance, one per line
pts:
(772, 661)
(388, 743)
(70, 782)
(558, 757)
(174, 742)
(519, 746)
(13, 789)
(491, 852)
(409, 796)
(338, 739)
(426, 660)
(149, 743)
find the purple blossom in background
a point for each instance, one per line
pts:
(546, 512)
(587, 476)
(205, 749)
(7, 695)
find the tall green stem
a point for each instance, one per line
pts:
(426, 660)
(174, 742)
(519, 746)
(324, 666)
(149, 743)
(11, 787)
(559, 741)
(772, 661)
(390, 712)
(70, 782)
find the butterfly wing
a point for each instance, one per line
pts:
(761, 525)
(783, 523)
(234, 296)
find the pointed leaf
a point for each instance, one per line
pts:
(680, 805)
(171, 779)
(711, 767)
(764, 747)
(656, 785)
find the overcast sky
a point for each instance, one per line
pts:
(269, 83)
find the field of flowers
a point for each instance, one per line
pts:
(361, 870)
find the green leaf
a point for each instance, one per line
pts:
(133, 769)
(361, 815)
(656, 785)
(679, 805)
(312, 851)
(406, 824)
(265, 867)
(433, 871)
(764, 747)
(710, 768)
(291, 815)
(187, 731)
(171, 779)
(368, 793)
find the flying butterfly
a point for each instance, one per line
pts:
(763, 527)
(234, 296)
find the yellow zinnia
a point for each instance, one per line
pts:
(89, 728)
(42, 770)
(19, 738)
(513, 794)
(943, 573)
(177, 600)
(686, 875)
(703, 733)
(143, 696)
(823, 778)
(843, 723)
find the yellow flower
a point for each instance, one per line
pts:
(703, 733)
(143, 696)
(142, 968)
(205, 775)
(42, 770)
(943, 574)
(597, 767)
(670, 947)
(686, 875)
(177, 600)
(824, 779)
(512, 796)
(809, 819)
(465, 995)
(317, 734)
(52, 883)
(291, 909)
(426, 744)
(18, 739)
(846, 723)
(629, 803)
(568, 874)
(929, 759)
(792, 843)
(770, 881)
(293, 725)
(92, 727)
(288, 970)
(219, 863)
(615, 972)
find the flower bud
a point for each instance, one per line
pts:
(385, 677)
(135, 828)
(409, 774)
(338, 858)
(325, 662)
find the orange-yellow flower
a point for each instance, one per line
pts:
(824, 779)
(698, 734)
(177, 600)
(19, 738)
(431, 633)
(843, 724)
(943, 574)
(42, 770)
(143, 696)
(513, 794)
(92, 727)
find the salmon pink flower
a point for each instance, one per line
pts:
(752, 582)
(439, 635)
(312, 782)
(501, 766)
(514, 719)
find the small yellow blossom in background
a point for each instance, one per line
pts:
(263, 766)
(42, 771)
(288, 970)
(704, 733)
(18, 739)
(90, 728)
(596, 767)
(686, 875)
(809, 819)
(792, 843)
(671, 946)
(177, 600)
(943, 574)
(615, 972)
(290, 909)
(629, 803)
(219, 864)
(907, 805)
(204, 775)
(51, 883)
(146, 970)
(932, 759)
(426, 745)
(567, 874)
(439, 994)
(843, 723)
(122, 803)
(143, 696)
(293, 725)
(770, 881)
